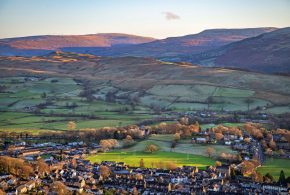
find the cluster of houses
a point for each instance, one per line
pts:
(87, 177)
(31, 152)
(83, 176)
(282, 144)
(207, 137)
(247, 150)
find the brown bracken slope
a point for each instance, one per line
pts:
(269, 52)
(132, 73)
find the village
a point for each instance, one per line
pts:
(63, 168)
(78, 176)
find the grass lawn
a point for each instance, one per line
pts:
(184, 146)
(185, 153)
(133, 158)
(274, 166)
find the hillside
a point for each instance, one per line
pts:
(267, 53)
(155, 83)
(114, 44)
(43, 44)
(171, 48)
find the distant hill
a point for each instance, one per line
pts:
(171, 48)
(114, 44)
(268, 52)
(39, 45)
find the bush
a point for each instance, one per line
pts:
(151, 148)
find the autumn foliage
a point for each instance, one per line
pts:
(151, 148)
(15, 166)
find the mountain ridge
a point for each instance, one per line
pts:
(171, 47)
(119, 44)
(268, 52)
(52, 42)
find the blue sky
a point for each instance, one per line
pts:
(155, 18)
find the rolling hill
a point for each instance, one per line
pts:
(268, 52)
(156, 83)
(39, 45)
(114, 44)
(171, 48)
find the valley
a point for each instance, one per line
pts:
(47, 92)
(145, 112)
(144, 97)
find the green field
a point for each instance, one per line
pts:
(184, 146)
(21, 94)
(185, 153)
(274, 166)
(194, 97)
(14, 120)
(133, 158)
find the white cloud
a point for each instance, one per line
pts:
(171, 16)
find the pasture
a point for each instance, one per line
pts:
(196, 97)
(184, 146)
(274, 166)
(50, 103)
(185, 153)
(151, 160)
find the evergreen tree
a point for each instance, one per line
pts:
(43, 95)
(282, 179)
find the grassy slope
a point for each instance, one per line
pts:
(186, 89)
(274, 166)
(184, 154)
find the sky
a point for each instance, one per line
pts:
(153, 18)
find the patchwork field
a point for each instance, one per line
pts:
(151, 83)
(196, 97)
(48, 104)
(125, 90)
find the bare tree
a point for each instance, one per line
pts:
(59, 188)
(71, 125)
(42, 167)
(142, 163)
(171, 165)
(105, 171)
(272, 145)
(249, 101)
(210, 151)
(177, 136)
(218, 163)
(219, 136)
